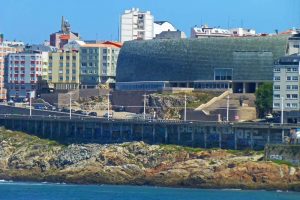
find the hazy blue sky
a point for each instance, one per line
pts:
(33, 20)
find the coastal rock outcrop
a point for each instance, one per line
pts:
(28, 158)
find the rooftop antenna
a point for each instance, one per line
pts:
(242, 23)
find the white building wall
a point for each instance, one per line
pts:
(133, 28)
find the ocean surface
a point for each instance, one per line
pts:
(45, 191)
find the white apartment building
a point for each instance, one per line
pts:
(24, 69)
(240, 32)
(286, 83)
(4, 51)
(136, 25)
(205, 31)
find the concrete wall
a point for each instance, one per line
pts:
(288, 153)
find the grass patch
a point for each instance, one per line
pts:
(283, 162)
(174, 148)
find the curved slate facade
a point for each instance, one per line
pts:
(248, 58)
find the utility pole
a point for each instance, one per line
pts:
(185, 107)
(108, 105)
(281, 110)
(30, 109)
(227, 109)
(70, 104)
(144, 114)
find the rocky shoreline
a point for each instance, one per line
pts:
(28, 158)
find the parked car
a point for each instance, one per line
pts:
(106, 115)
(78, 112)
(94, 114)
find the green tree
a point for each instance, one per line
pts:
(264, 99)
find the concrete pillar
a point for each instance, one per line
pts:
(43, 128)
(193, 136)
(142, 134)
(205, 137)
(51, 129)
(110, 132)
(75, 130)
(220, 138)
(13, 124)
(101, 130)
(131, 132)
(244, 87)
(67, 132)
(59, 129)
(251, 138)
(268, 137)
(35, 127)
(178, 135)
(235, 138)
(256, 86)
(153, 134)
(282, 136)
(83, 130)
(121, 132)
(166, 134)
(28, 125)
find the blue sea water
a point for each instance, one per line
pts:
(45, 191)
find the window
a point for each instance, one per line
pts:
(276, 78)
(61, 57)
(61, 78)
(295, 78)
(276, 87)
(288, 69)
(61, 64)
(295, 69)
(276, 105)
(288, 87)
(68, 57)
(295, 87)
(84, 50)
(288, 96)
(277, 96)
(294, 96)
(288, 78)
(294, 105)
(222, 74)
(288, 105)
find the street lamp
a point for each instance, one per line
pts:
(184, 107)
(282, 110)
(70, 104)
(144, 114)
(30, 108)
(108, 106)
(227, 109)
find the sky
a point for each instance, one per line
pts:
(32, 21)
